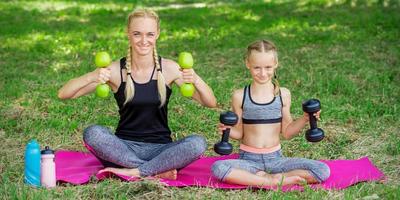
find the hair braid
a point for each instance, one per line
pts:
(162, 92)
(129, 87)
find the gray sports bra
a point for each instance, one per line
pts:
(261, 113)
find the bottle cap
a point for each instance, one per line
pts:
(33, 144)
(47, 150)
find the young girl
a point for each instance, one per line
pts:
(141, 82)
(263, 109)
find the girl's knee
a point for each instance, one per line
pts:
(325, 172)
(320, 171)
(219, 169)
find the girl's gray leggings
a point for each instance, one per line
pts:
(271, 163)
(149, 158)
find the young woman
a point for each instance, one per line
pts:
(264, 112)
(141, 82)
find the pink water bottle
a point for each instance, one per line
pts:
(48, 168)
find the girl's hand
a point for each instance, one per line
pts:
(317, 115)
(222, 127)
(189, 76)
(103, 75)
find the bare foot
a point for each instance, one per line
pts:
(134, 173)
(277, 176)
(261, 173)
(292, 180)
(280, 179)
(171, 174)
(122, 171)
(383, 181)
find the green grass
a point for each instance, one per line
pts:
(346, 53)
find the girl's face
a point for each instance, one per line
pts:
(262, 66)
(143, 34)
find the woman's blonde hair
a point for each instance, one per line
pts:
(130, 88)
(265, 46)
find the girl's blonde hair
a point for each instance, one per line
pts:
(130, 88)
(265, 46)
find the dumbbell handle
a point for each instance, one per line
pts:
(313, 121)
(225, 135)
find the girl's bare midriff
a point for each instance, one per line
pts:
(261, 135)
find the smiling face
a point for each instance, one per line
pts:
(143, 33)
(143, 29)
(262, 66)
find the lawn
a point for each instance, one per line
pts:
(344, 52)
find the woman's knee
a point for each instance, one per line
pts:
(197, 144)
(93, 133)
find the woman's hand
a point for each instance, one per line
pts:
(189, 76)
(103, 75)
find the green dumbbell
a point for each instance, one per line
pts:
(185, 61)
(102, 59)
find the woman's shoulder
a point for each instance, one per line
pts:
(115, 66)
(169, 64)
(170, 70)
(115, 70)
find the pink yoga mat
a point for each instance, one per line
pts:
(78, 167)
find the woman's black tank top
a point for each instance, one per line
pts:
(142, 119)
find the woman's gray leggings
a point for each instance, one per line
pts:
(271, 163)
(149, 158)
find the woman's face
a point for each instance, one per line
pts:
(262, 66)
(143, 34)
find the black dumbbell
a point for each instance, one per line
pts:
(314, 134)
(228, 118)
